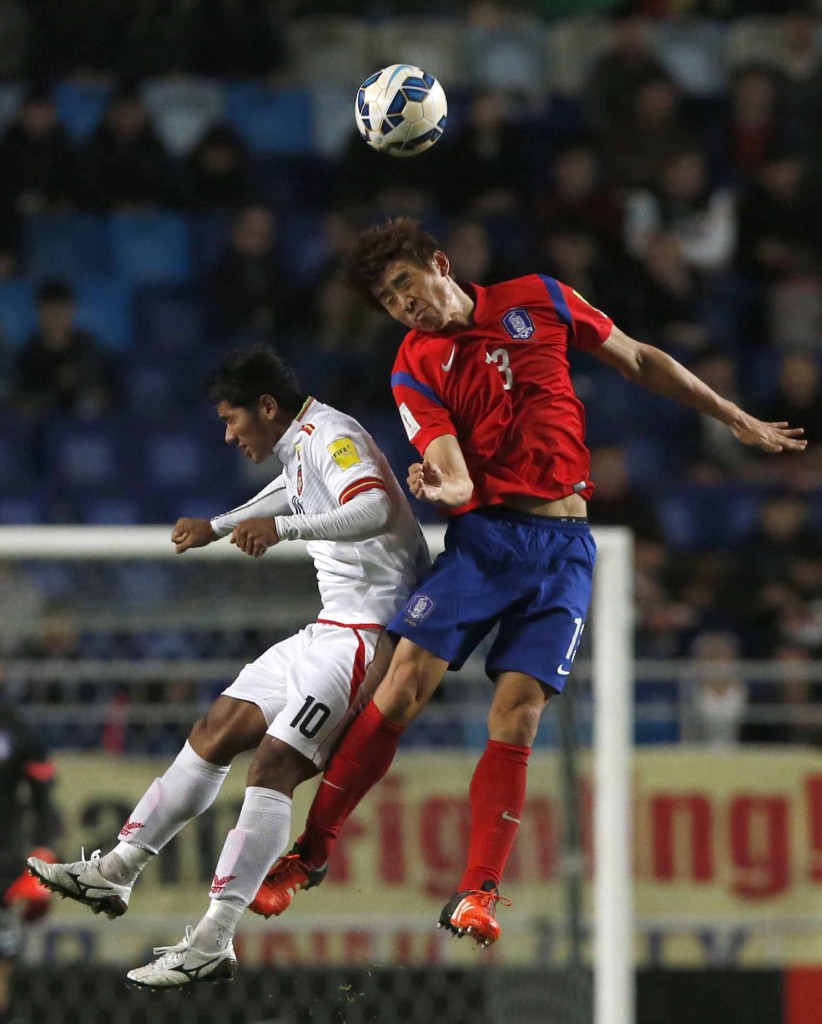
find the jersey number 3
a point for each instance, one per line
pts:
(500, 357)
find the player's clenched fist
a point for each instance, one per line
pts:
(255, 536)
(425, 480)
(192, 533)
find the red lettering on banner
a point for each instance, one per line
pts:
(543, 851)
(390, 815)
(340, 865)
(358, 947)
(320, 953)
(813, 787)
(279, 948)
(445, 828)
(759, 845)
(666, 810)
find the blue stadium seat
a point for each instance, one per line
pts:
(702, 518)
(86, 453)
(18, 316)
(182, 109)
(15, 448)
(110, 510)
(694, 52)
(170, 322)
(26, 508)
(104, 307)
(68, 245)
(185, 457)
(150, 248)
(81, 106)
(272, 122)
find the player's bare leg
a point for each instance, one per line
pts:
(189, 787)
(207, 953)
(497, 797)
(363, 757)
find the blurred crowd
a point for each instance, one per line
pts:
(692, 217)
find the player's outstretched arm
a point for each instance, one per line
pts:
(442, 477)
(192, 533)
(655, 370)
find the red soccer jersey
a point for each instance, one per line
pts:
(503, 389)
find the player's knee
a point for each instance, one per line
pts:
(278, 766)
(516, 724)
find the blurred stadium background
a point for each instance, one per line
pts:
(179, 177)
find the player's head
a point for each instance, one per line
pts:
(399, 267)
(257, 397)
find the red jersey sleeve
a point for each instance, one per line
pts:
(589, 326)
(422, 410)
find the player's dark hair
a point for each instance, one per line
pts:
(248, 373)
(401, 238)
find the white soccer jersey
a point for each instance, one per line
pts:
(328, 458)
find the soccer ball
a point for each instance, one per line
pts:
(401, 110)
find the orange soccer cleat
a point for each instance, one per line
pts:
(472, 913)
(286, 878)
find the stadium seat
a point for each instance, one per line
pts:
(23, 509)
(81, 107)
(15, 448)
(431, 43)
(272, 121)
(182, 110)
(693, 51)
(330, 50)
(18, 316)
(755, 40)
(110, 510)
(149, 248)
(170, 322)
(705, 518)
(86, 453)
(185, 458)
(575, 46)
(104, 307)
(11, 96)
(516, 59)
(68, 245)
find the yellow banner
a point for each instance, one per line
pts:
(728, 862)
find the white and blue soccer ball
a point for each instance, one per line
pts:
(401, 110)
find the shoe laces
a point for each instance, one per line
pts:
(291, 862)
(164, 952)
(94, 859)
(489, 898)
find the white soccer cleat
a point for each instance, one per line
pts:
(183, 965)
(83, 881)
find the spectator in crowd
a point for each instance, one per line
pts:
(627, 63)
(217, 172)
(798, 394)
(636, 148)
(718, 693)
(127, 167)
(755, 124)
(61, 367)
(481, 171)
(250, 283)
(683, 202)
(780, 221)
(37, 165)
(618, 501)
(710, 460)
(670, 297)
(579, 194)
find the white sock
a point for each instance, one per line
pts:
(261, 835)
(189, 787)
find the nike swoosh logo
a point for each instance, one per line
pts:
(563, 671)
(331, 784)
(447, 366)
(509, 817)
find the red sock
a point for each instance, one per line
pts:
(360, 761)
(497, 797)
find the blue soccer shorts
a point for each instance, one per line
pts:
(531, 574)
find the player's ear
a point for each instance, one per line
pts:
(442, 263)
(268, 406)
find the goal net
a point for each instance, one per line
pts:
(114, 646)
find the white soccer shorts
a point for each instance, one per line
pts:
(305, 684)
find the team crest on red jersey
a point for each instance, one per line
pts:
(519, 324)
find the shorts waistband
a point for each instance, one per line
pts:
(514, 515)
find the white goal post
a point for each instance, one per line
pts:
(612, 642)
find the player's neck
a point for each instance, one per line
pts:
(462, 309)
